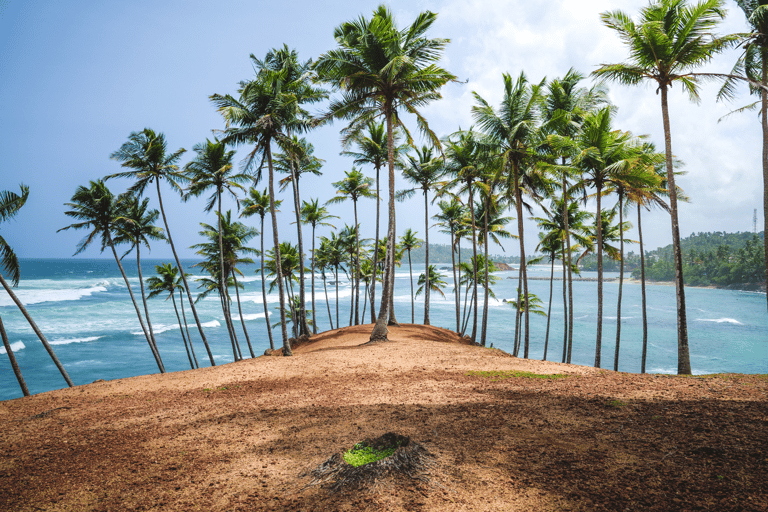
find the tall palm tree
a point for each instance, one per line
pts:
(424, 171)
(670, 39)
(257, 203)
(322, 264)
(434, 281)
(513, 127)
(332, 256)
(297, 159)
(353, 187)
(450, 217)
(95, 207)
(212, 169)
(135, 226)
(146, 155)
(168, 281)
(269, 108)
(290, 265)
(408, 242)
(382, 70)
(315, 215)
(10, 204)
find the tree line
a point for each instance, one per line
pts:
(548, 142)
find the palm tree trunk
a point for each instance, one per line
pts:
(303, 326)
(569, 265)
(518, 312)
(413, 304)
(264, 289)
(223, 280)
(230, 326)
(485, 284)
(621, 279)
(337, 297)
(426, 259)
(242, 320)
(181, 329)
(565, 306)
(524, 270)
(186, 327)
(327, 302)
(38, 332)
(474, 259)
(375, 252)
(312, 284)
(642, 290)
(392, 318)
(146, 309)
(12, 358)
(183, 276)
(549, 309)
(357, 266)
(278, 261)
(683, 353)
(456, 290)
(599, 251)
(379, 332)
(136, 307)
(764, 125)
(351, 279)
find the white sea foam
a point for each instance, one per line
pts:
(14, 347)
(249, 316)
(32, 296)
(67, 341)
(158, 328)
(720, 320)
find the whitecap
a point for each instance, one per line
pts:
(720, 320)
(249, 316)
(51, 295)
(14, 347)
(67, 341)
(159, 328)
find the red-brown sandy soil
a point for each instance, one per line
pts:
(237, 436)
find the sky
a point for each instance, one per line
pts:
(79, 77)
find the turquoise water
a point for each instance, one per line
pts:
(83, 308)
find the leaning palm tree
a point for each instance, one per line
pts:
(354, 186)
(212, 169)
(10, 204)
(409, 242)
(670, 39)
(424, 171)
(146, 155)
(450, 217)
(382, 70)
(315, 215)
(168, 281)
(135, 226)
(257, 203)
(95, 209)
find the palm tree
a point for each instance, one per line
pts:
(382, 70)
(434, 281)
(212, 169)
(315, 215)
(135, 225)
(257, 203)
(269, 108)
(425, 171)
(670, 39)
(408, 242)
(354, 186)
(372, 149)
(533, 304)
(297, 159)
(146, 154)
(10, 204)
(168, 281)
(331, 255)
(95, 207)
(289, 264)
(450, 217)
(512, 128)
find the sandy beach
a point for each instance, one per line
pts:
(238, 436)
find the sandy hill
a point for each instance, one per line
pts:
(238, 436)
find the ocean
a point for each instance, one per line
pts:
(83, 308)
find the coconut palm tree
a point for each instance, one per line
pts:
(424, 171)
(315, 215)
(322, 265)
(10, 204)
(135, 226)
(382, 70)
(408, 242)
(290, 265)
(96, 209)
(146, 155)
(512, 128)
(354, 186)
(331, 255)
(450, 217)
(168, 281)
(535, 306)
(670, 39)
(435, 281)
(257, 203)
(212, 169)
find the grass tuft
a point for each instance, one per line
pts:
(362, 454)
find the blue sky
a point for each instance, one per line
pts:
(79, 77)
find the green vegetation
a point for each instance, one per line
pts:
(617, 404)
(508, 374)
(362, 454)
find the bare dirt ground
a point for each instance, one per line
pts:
(237, 437)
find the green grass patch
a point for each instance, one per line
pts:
(362, 454)
(509, 374)
(617, 404)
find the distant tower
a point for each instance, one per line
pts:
(754, 222)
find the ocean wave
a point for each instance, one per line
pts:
(720, 320)
(51, 295)
(249, 316)
(67, 341)
(16, 346)
(159, 328)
